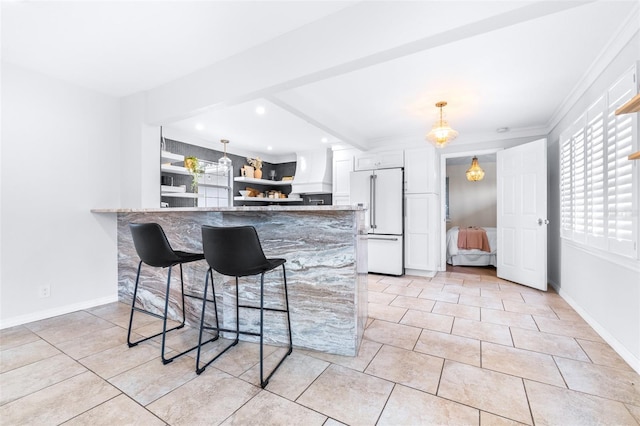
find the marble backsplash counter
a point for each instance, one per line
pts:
(326, 252)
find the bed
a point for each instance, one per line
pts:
(474, 257)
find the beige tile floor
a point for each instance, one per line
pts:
(460, 348)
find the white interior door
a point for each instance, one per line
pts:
(522, 214)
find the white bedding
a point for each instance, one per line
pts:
(475, 257)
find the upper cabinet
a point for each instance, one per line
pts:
(379, 160)
(343, 163)
(421, 171)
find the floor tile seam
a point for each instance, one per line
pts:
(49, 357)
(484, 323)
(637, 419)
(99, 317)
(587, 394)
(93, 407)
(601, 340)
(620, 370)
(91, 354)
(447, 359)
(157, 359)
(329, 364)
(386, 401)
(33, 362)
(485, 410)
(304, 406)
(628, 368)
(144, 408)
(533, 351)
(478, 409)
(91, 332)
(525, 378)
(21, 344)
(47, 387)
(526, 394)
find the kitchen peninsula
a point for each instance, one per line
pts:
(326, 252)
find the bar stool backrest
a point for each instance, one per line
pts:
(234, 251)
(152, 245)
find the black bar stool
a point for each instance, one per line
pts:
(237, 252)
(154, 249)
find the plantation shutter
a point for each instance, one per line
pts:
(578, 181)
(566, 222)
(621, 222)
(594, 174)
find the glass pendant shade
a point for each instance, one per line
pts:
(475, 172)
(441, 133)
(225, 162)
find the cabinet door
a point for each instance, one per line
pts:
(421, 232)
(342, 167)
(421, 171)
(365, 162)
(390, 159)
(379, 160)
(341, 201)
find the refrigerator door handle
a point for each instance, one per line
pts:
(372, 201)
(383, 239)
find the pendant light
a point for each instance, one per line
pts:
(441, 133)
(475, 172)
(225, 162)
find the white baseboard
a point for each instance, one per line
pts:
(629, 357)
(60, 310)
(420, 273)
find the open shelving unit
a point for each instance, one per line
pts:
(213, 177)
(268, 200)
(262, 181)
(265, 183)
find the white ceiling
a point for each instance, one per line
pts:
(378, 66)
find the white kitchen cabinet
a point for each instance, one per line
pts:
(343, 163)
(379, 160)
(421, 171)
(421, 234)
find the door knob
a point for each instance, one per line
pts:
(543, 222)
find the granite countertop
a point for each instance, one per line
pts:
(272, 208)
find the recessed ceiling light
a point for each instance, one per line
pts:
(269, 148)
(260, 110)
(199, 127)
(324, 140)
(502, 129)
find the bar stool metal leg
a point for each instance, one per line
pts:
(264, 382)
(136, 309)
(217, 328)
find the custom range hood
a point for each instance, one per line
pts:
(313, 172)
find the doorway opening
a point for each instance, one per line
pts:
(467, 204)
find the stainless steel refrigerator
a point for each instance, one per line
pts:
(381, 192)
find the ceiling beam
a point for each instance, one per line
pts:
(328, 48)
(341, 135)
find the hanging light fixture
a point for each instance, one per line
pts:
(475, 172)
(441, 133)
(225, 162)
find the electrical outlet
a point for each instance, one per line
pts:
(44, 291)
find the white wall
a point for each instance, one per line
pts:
(605, 291)
(472, 203)
(60, 158)
(139, 154)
